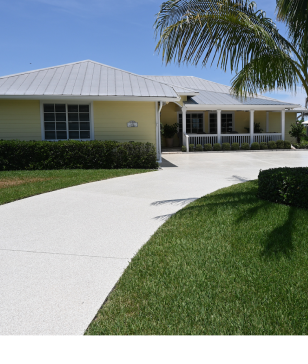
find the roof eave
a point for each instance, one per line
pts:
(240, 107)
(90, 98)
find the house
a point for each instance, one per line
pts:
(88, 100)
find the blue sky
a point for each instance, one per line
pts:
(44, 33)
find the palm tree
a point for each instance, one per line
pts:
(235, 35)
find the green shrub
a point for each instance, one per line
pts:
(191, 147)
(298, 131)
(43, 155)
(284, 185)
(226, 146)
(208, 147)
(199, 148)
(235, 146)
(272, 145)
(302, 145)
(280, 144)
(255, 146)
(184, 149)
(217, 147)
(169, 131)
(263, 145)
(245, 146)
(287, 144)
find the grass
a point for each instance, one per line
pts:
(15, 185)
(227, 264)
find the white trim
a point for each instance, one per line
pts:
(190, 107)
(267, 122)
(71, 102)
(223, 112)
(88, 99)
(251, 125)
(283, 124)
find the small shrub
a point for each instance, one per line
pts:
(184, 149)
(298, 131)
(191, 147)
(287, 144)
(280, 144)
(245, 146)
(208, 147)
(235, 146)
(217, 147)
(272, 145)
(226, 146)
(263, 145)
(255, 146)
(284, 185)
(199, 148)
(302, 145)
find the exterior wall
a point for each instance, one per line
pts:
(111, 118)
(20, 119)
(169, 115)
(290, 119)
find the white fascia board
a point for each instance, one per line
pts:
(239, 107)
(90, 98)
(188, 93)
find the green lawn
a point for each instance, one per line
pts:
(15, 185)
(227, 264)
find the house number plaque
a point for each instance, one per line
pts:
(132, 124)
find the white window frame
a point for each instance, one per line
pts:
(191, 112)
(66, 102)
(215, 113)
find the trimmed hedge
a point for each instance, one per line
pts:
(199, 148)
(245, 146)
(217, 147)
(271, 145)
(287, 144)
(184, 149)
(255, 146)
(280, 144)
(208, 147)
(263, 145)
(226, 146)
(235, 146)
(286, 185)
(43, 155)
(191, 147)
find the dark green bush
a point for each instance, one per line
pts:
(284, 185)
(208, 147)
(226, 146)
(287, 144)
(245, 146)
(33, 155)
(184, 149)
(199, 148)
(263, 145)
(302, 145)
(272, 145)
(191, 147)
(217, 147)
(280, 144)
(235, 146)
(255, 146)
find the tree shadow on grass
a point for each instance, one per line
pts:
(277, 242)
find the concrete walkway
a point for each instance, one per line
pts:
(62, 252)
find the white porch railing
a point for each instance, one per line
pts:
(230, 138)
(266, 137)
(202, 139)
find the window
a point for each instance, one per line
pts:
(194, 123)
(62, 121)
(226, 123)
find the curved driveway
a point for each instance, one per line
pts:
(62, 252)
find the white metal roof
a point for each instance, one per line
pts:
(85, 78)
(212, 93)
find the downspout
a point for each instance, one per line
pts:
(158, 134)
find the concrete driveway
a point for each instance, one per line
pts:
(62, 252)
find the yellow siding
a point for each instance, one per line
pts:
(20, 119)
(111, 118)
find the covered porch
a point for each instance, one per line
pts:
(231, 126)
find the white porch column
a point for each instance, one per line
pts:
(283, 124)
(159, 106)
(267, 122)
(184, 126)
(218, 126)
(252, 125)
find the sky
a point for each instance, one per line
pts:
(45, 33)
